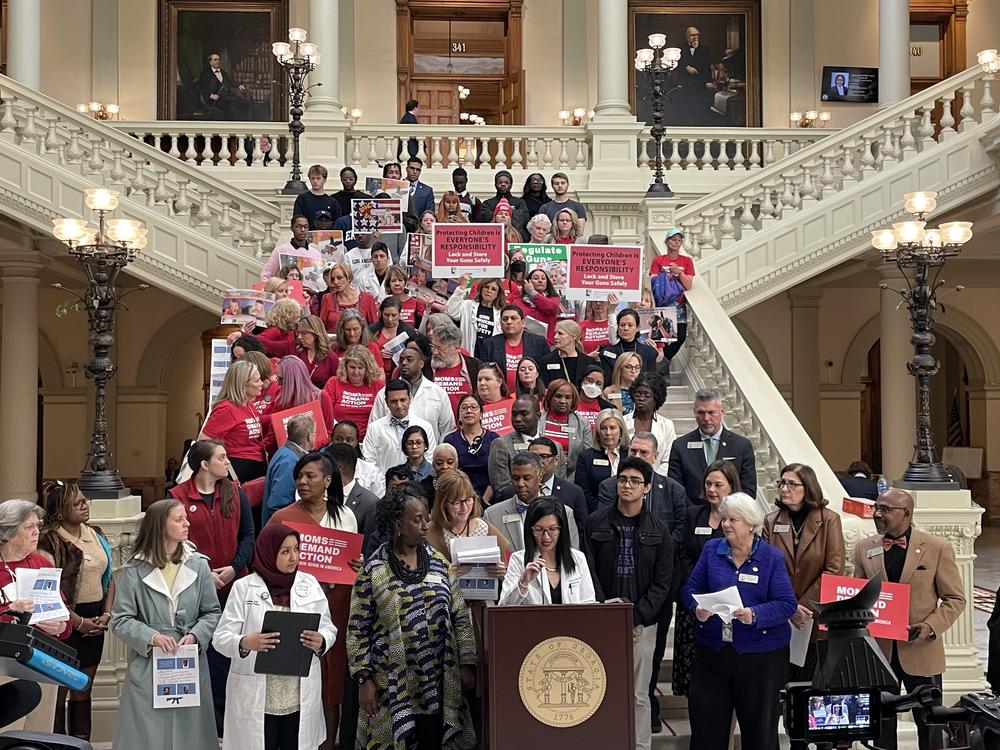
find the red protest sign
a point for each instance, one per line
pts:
(892, 610)
(466, 248)
(327, 553)
(496, 417)
(595, 271)
(279, 422)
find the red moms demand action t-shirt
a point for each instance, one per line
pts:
(353, 402)
(514, 354)
(238, 429)
(453, 382)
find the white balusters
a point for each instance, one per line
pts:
(739, 160)
(547, 153)
(847, 168)
(907, 143)
(675, 154)
(204, 215)
(174, 150)
(532, 158)
(225, 223)
(690, 159)
(986, 102)
(241, 151)
(74, 152)
(746, 216)
(435, 152)
(452, 152)
(867, 153)
(563, 153)
(947, 121)
(183, 203)
(8, 123)
(516, 156)
(581, 154)
(501, 158)
(754, 154)
(827, 180)
(968, 111)
(769, 152)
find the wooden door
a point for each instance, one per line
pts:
(512, 99)
(438, 103)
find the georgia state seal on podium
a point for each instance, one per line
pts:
(562, 681)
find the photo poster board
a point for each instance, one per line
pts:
(279, 422)
(496, 417)
(458, 249)
(369, 215)
(294, 290)
(219, 362)
(553, 259)
(242, 306)
(395, 188)
(596, 271)
(329, 243)
(311, 270)
(176, 678)
(649, 330)
(418, 253)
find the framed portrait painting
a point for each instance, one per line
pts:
(717, 82)
(215, 60)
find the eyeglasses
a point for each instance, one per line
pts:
(631, 481)
(545, 456)
(460, 503)
(782, 483)
(632, 368)
(81, 504)
(415, 444)
(887, 508)
(469, 407)
(551, 531)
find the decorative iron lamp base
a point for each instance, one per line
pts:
(925, 476)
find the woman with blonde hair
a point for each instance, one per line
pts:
(342, 296)
(353, 391)
(278, 338)
(411, 308)
(277, 286)
(623, 375)
(565, 228)
(269, 383)
(235, 422)
(566, 359)
(601, 462)
(314, 350)
(449, 209)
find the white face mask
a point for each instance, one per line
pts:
(591, 390)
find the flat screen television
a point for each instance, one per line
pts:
(845, 84)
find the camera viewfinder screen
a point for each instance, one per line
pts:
(833, 713)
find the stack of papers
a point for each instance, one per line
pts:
(722, 603)
(477, 551)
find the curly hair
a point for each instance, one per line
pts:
(284, 314)
(373, 370)
(501, 299)
(390, 508)
(656, 383)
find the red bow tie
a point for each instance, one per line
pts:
(888, 544)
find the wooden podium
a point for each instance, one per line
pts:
(558, 675)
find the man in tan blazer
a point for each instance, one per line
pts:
(926, 562)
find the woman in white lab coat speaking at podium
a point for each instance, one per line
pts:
(555, 572)
(272, 712)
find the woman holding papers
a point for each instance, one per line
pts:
(386, 328)
(410, 638)
(296, 390)
(164, 598)
(321, 503)
(280, 712)
(555, 572)
(741, 638)
(457, 513)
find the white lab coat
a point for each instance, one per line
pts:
(576, 587)
(384, 448)
(430, 403)
(245, 690)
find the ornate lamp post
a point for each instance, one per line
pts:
(102, 252)
(920, 255)
(298, 58)
(656, 63)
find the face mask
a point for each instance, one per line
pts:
(591, 390)
(518, 266)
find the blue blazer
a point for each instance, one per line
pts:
(421, 199)
(765, 588)
(493, 349)
(279, 485)
(592, 468)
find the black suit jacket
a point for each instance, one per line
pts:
(209, 84)
(687, 464)
(592, 469)
(553, 367)
(563, 490)
(701, 60)
(860, 487)
(492, 349)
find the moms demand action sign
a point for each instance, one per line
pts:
(466, 248)
(595, 271)
(892, 610)
(327, 553)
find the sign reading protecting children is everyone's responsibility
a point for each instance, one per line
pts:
(596, 271)
(467, 248)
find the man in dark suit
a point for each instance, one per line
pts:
(221, 96)
(549, 453)
(525, 415)
(667, 501)
(838, 90)
(357, 498)
(421, 195)
(409, 118)
(904, 554)
(691, 454)
(513, 345)
(694, 74)
(859, 482)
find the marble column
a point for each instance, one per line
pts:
(19, 373)
(24, 40)
(893, 51)
(324, 30)
(805, 359)
(612, 59)
(897, 388)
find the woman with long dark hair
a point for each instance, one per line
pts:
(388, 326)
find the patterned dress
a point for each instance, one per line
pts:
(413, 639)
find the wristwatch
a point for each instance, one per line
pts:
(363, 677)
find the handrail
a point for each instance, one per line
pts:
(838, 139)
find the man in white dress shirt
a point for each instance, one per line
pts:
(383, 441)
(429, 401)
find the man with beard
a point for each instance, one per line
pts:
(694, 74)
(453, 371)
(519, 209)
(430, 402)
(903, 554)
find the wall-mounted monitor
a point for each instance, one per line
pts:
(844, 84)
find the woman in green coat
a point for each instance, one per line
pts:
(165, 598)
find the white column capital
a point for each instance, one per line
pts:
(805, 297)
(19, 264)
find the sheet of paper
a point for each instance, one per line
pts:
(799, 645)
(722, 603)
(42, 587)
(478, 551)
(176, 680)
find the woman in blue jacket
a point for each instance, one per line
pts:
(739, 665)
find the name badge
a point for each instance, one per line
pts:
(511, 518)
(601, 462)
(610, 355)
(695, 445)
(553, 366)
(748, 578)
(729, 458)
(703, 530)
(875, 552)
(780, 528)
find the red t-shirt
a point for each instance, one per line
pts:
(594, 334)
(277, 343)
(267, 396)
(353, 402)
(238, 428)
(320, 372)
(686, 262)
(410, 310)
(330, 309)
(384, 359)
(514, 354)
(557, 428)
(588, 410)
(453, 382)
